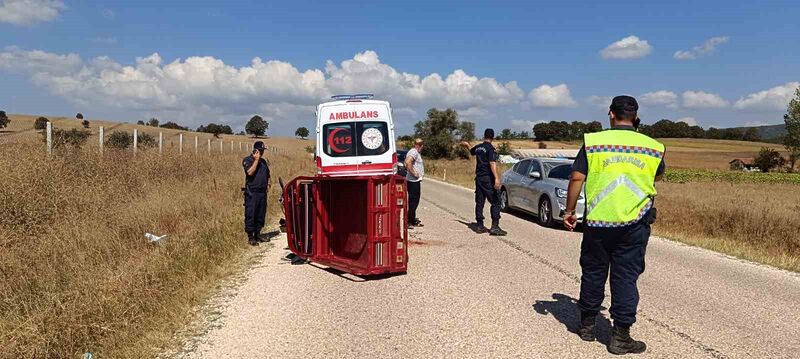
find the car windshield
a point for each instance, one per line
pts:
(559, 170)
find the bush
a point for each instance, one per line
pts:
(72, 138)
(768, 159)
(311, 149)
(140, 123)
(3, 119)
(123, 140)
(79, 116)
(542, 145)
(174, 126)
(153, 122)
(85, 123)
(40, 123)
(504, 149)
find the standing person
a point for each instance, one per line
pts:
(487, 183)
(620, 167)
(255, 192)
(415, 172)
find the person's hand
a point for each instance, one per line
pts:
(497, 184)
(570, 221)
(464, 144)
(257, 155)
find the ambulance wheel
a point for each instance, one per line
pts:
(504, 200)
(545, 212)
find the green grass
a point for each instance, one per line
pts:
(697, 175)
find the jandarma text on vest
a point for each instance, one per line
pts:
(624, 159)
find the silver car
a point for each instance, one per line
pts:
(539, 186)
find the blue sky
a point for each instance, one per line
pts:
(501, 64)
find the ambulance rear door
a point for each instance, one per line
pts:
(355, 137)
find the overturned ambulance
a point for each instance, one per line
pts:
(351, 215)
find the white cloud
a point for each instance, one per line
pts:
(630, 47)
(108, 13)
(707, 48)
(206, 85)
(660, 98)
(700, 99)
(29, 12)
(600, 101)
(473, 113)
(551, 96)
(524, 125)
(776, 98)
(688, 120)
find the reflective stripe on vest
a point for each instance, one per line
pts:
(620, 182)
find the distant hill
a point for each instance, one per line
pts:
(769, 133)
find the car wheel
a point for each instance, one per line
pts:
(504, 200)
(545, 212)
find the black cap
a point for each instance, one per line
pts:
(258, 145)
(489, 133)
(624, 105)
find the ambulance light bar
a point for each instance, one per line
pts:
(358, 96)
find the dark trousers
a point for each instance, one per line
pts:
(484, 190)
(255, 209)
(414, 193)
(621, 250)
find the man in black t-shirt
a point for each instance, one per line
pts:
(255, 192)
(487, 183)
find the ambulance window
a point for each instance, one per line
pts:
(373, 138)
(338, 140)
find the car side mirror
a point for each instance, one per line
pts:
(535, 175)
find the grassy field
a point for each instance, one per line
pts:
(748, 215)
(76, 273)
(682, 152)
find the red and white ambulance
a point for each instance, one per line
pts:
(352, 215)
(355, 136)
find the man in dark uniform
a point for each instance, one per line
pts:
(255, 192)
(487, 183)
(620, 167)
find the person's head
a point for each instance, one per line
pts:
(259, 146)
(488, 135)
(418, 143)
(623, 111)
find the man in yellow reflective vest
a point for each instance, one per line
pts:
(619, 167)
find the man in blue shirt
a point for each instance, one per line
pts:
(487, 183)
(255, 192)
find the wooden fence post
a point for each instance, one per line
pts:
(180, 144)
(209, 146)
(160, 143)
(231, 146)
(220, 146)
(102, 132)
(135, 140)
(196, 146)
(49, 137)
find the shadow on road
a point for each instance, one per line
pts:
(471, 225)
(565, 309)
(525, 216)
(266, 237)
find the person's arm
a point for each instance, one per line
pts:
(662, 168)
(409, 163)
(573, 192)
(467, 147)
(493, 166)
(256, 159)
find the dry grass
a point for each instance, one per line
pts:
(76, 273)
(758, 222)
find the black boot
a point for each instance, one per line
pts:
(252, 239)
(622, 343)
(586, 331)
(497, 231)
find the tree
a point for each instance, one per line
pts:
(140, 123)
(768, 159)
(256, 126)
(85, 123)
(439, 132)
(301, 132)
(40, 123)
(504, 149)
(4, 121)
(752, 135)
(74, 137)
(216, 129)
(505, 134)
(792, 120)
(123, 140)
(153, 122)
(732, 134)
(79, 116)
(174, 126)
(466, 131)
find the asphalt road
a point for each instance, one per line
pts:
(476, 296)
